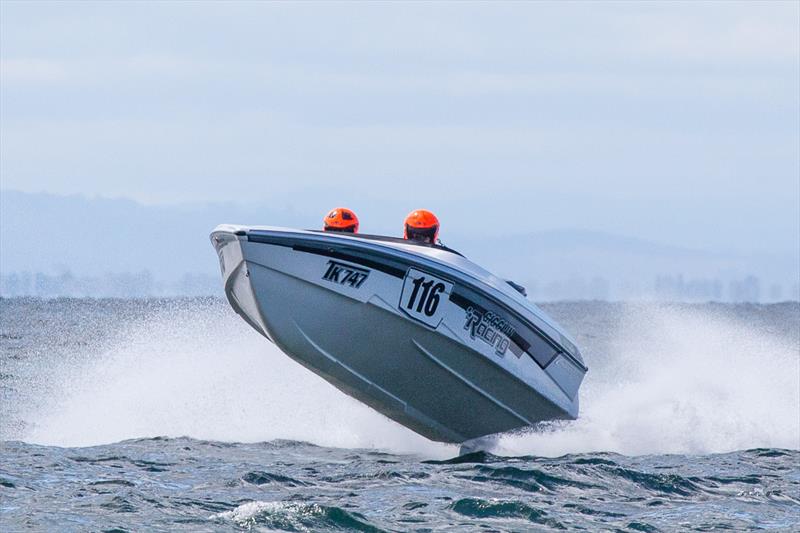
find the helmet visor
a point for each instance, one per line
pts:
(422, 234)
(348, 229)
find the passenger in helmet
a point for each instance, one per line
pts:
(342, 220)
(422, 226)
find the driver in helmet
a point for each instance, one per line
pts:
(342, 220)
(421, 226)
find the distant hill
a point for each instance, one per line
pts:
(92, 236)
(95, 237)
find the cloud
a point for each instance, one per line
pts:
(627, 104)
(757, 35)
(27, 71)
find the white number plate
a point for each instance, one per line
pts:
(424, 296)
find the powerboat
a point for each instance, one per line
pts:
(416, 331)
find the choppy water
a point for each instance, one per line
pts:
(173, 414)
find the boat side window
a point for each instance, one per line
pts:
(519, 288)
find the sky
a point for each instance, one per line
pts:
(673, 122)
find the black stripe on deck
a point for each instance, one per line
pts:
(353, 258)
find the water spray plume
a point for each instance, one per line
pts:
(674, 381)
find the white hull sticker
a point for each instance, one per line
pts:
(424, 296)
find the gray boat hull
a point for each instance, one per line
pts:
(454, 366)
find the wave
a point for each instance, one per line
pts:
(294, 517)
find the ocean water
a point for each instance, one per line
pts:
(164, 415)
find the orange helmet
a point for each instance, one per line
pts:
(341, 219)
(421, 225)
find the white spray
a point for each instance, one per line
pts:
(677, 382)
(681, 381)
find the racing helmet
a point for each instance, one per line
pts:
(421, 225)
(341, 219)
